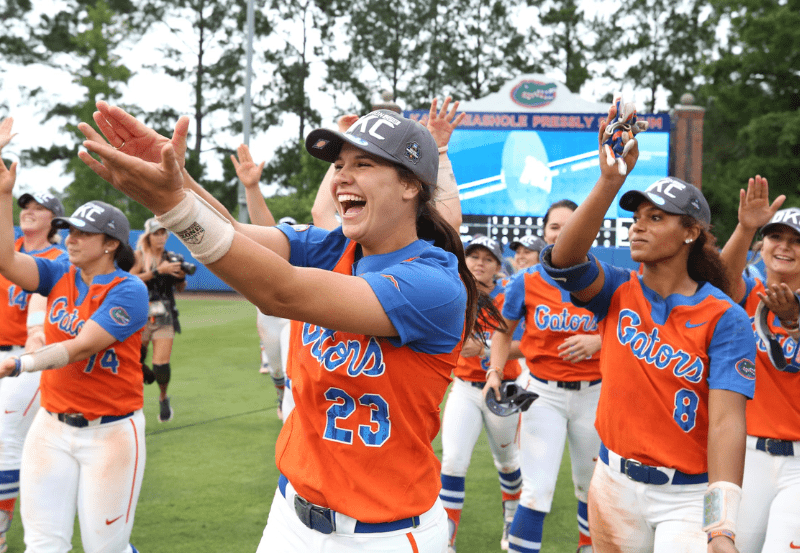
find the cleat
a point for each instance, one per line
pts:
(165, 413)
(584, 549)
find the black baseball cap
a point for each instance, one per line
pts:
(387, 135)
(97, 218)
(671, 195)
(45, 199)
(787, 217)
(530, 241)
(485, 242)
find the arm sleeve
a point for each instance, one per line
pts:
(314, 247)
(425, 301)
(514, 304)
(50, 271)
(732, 354)
(124, 310)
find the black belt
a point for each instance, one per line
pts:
(568, 384)
(646, 474)
(8, 348)
(79, 421)
(323, 520)
(772, 446)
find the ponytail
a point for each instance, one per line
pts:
(705, 263)
(432, 226)
(124, 257)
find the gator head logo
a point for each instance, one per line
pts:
(533, 94)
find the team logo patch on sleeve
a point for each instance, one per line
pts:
(746, 368)
(120, 316)
(393, 281)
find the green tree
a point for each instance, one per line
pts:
(85, 39)
(566, 46)
(661, 44)
(752, 94)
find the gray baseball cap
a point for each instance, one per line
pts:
(530, 241)
(45, 199)
(97, 218)
(788, 217)
(485, 242)
(671, 195)
(152, 225)
(387, 135)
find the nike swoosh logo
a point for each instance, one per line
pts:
(793, 546)
(690, 325)
(112, 521)
(506, 445)
(562, 279)
(9, 412)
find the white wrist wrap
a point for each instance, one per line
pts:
(53, 356)
(446, 186)
(201, 228)
(721, 506)
(35, 318)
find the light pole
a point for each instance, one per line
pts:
(246, 116)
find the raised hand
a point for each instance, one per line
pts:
(442, 123)
(755, 211)
(7, 177)
(129, 135)
(5, 132)
(611, 172)
(780, 299)
(246, 169)
(346, 121)
(156, 185)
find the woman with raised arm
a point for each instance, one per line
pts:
(560, 342)
(770, 511)
(387, 299)
(85, 450)
(677, 367)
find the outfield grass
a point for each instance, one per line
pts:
(210, 473)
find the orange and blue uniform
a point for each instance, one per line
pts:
(769, 513)
(568, 394)
(359, 441)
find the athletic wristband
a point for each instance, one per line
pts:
(52, 356)
(717, 533)
(443, 149)
(571, 279)
(494, 369)
(721, 507)
(17, 367)
(35, 318)
(202, 229)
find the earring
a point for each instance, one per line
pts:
(106, 251)
(688, 241)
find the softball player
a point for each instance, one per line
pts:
(770, 510)
(466, 412)
(526, 251)
(386, 309)
(559, 343)
(21, 329)
(85, 448)
(677, 364)
(162, 277)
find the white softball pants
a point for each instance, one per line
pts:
(556, 416)
(95, 471)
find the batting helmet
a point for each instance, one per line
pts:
(774, 349)
(513, 399)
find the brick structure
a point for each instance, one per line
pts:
(686, 141)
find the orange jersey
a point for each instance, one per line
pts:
(473, 369)
(660, 357)
(367, 407)
(110, 381)
(774, 411)
(14, 311)
(550, 317)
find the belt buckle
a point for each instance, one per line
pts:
(637, 468)
(576, 385)
(774, 446)
(313, 516)
(74, 419)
